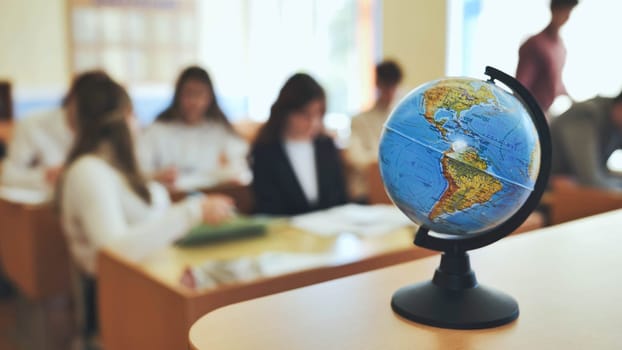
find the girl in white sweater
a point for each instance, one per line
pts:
(104, 199)
(192, 144)
(41, 142)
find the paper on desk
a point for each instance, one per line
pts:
(194, 182)
(363, 220)
(24, 196)
(213, 273)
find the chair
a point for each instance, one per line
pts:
(241, 194)
(6, 101)
(84, 305)
(567, 200)
(247, 128)
(377, 194)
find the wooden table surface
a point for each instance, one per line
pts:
(33, 252)
(143, 305)
(565, 279)
(346, 248)
(6, 127)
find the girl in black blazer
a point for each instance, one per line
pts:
(296, 168)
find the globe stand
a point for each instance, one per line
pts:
(453, 299)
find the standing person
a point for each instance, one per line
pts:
(296, 168)
(366, 129)
(192, 141)
(584, 137)
(542, 57)
(40, 143)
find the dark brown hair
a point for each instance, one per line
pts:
(556, 4)
(298, 91)
(213, 112)
(388, 73)
(80, 81)
(102, 106)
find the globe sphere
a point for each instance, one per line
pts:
(459, 156)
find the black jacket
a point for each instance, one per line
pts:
(277, 189)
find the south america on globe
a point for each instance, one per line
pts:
(459, 155)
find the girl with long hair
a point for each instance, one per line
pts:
(192, 144)
(296, 167)
(104, 198)
(40, 143)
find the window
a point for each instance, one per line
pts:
(489, 32)
(249, 47)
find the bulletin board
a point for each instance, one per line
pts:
(136, 41)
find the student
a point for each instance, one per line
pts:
(584, 137)
(542, 57)
(296, 168)
(40, 143)
(104, 199)
(192, 141)
(366, 129)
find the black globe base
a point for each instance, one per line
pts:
(453, 299)
(471, 308)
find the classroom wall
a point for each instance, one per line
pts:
(34, 52)
(414, 33)
(34, 47)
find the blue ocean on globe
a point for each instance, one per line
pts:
(459, 155)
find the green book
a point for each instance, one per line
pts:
(239, 227)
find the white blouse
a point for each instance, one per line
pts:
(204, 154)
(301, 155)
(363, 148)
(38, 142)
(99, 209)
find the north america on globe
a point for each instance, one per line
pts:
(459, 155)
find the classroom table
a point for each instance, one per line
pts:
(33, 251)
(564, 278)
(566, 200)
(144, 306)
(241, 194)
(35, 258)
(6, 127)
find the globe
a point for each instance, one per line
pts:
(468, 160)
(459, 155)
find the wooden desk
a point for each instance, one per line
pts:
(565, 279)
(377, 193)
(6, 127)
(241, 194)
(33, 250)
(143, 306)
(568, 201)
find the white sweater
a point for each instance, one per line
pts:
(208, 153)
(363, 148)
(99, 209)
(38, 142)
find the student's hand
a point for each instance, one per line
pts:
(52, 174)
(187, 278)
(217, 208)
(223, 160)
(167, 176)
